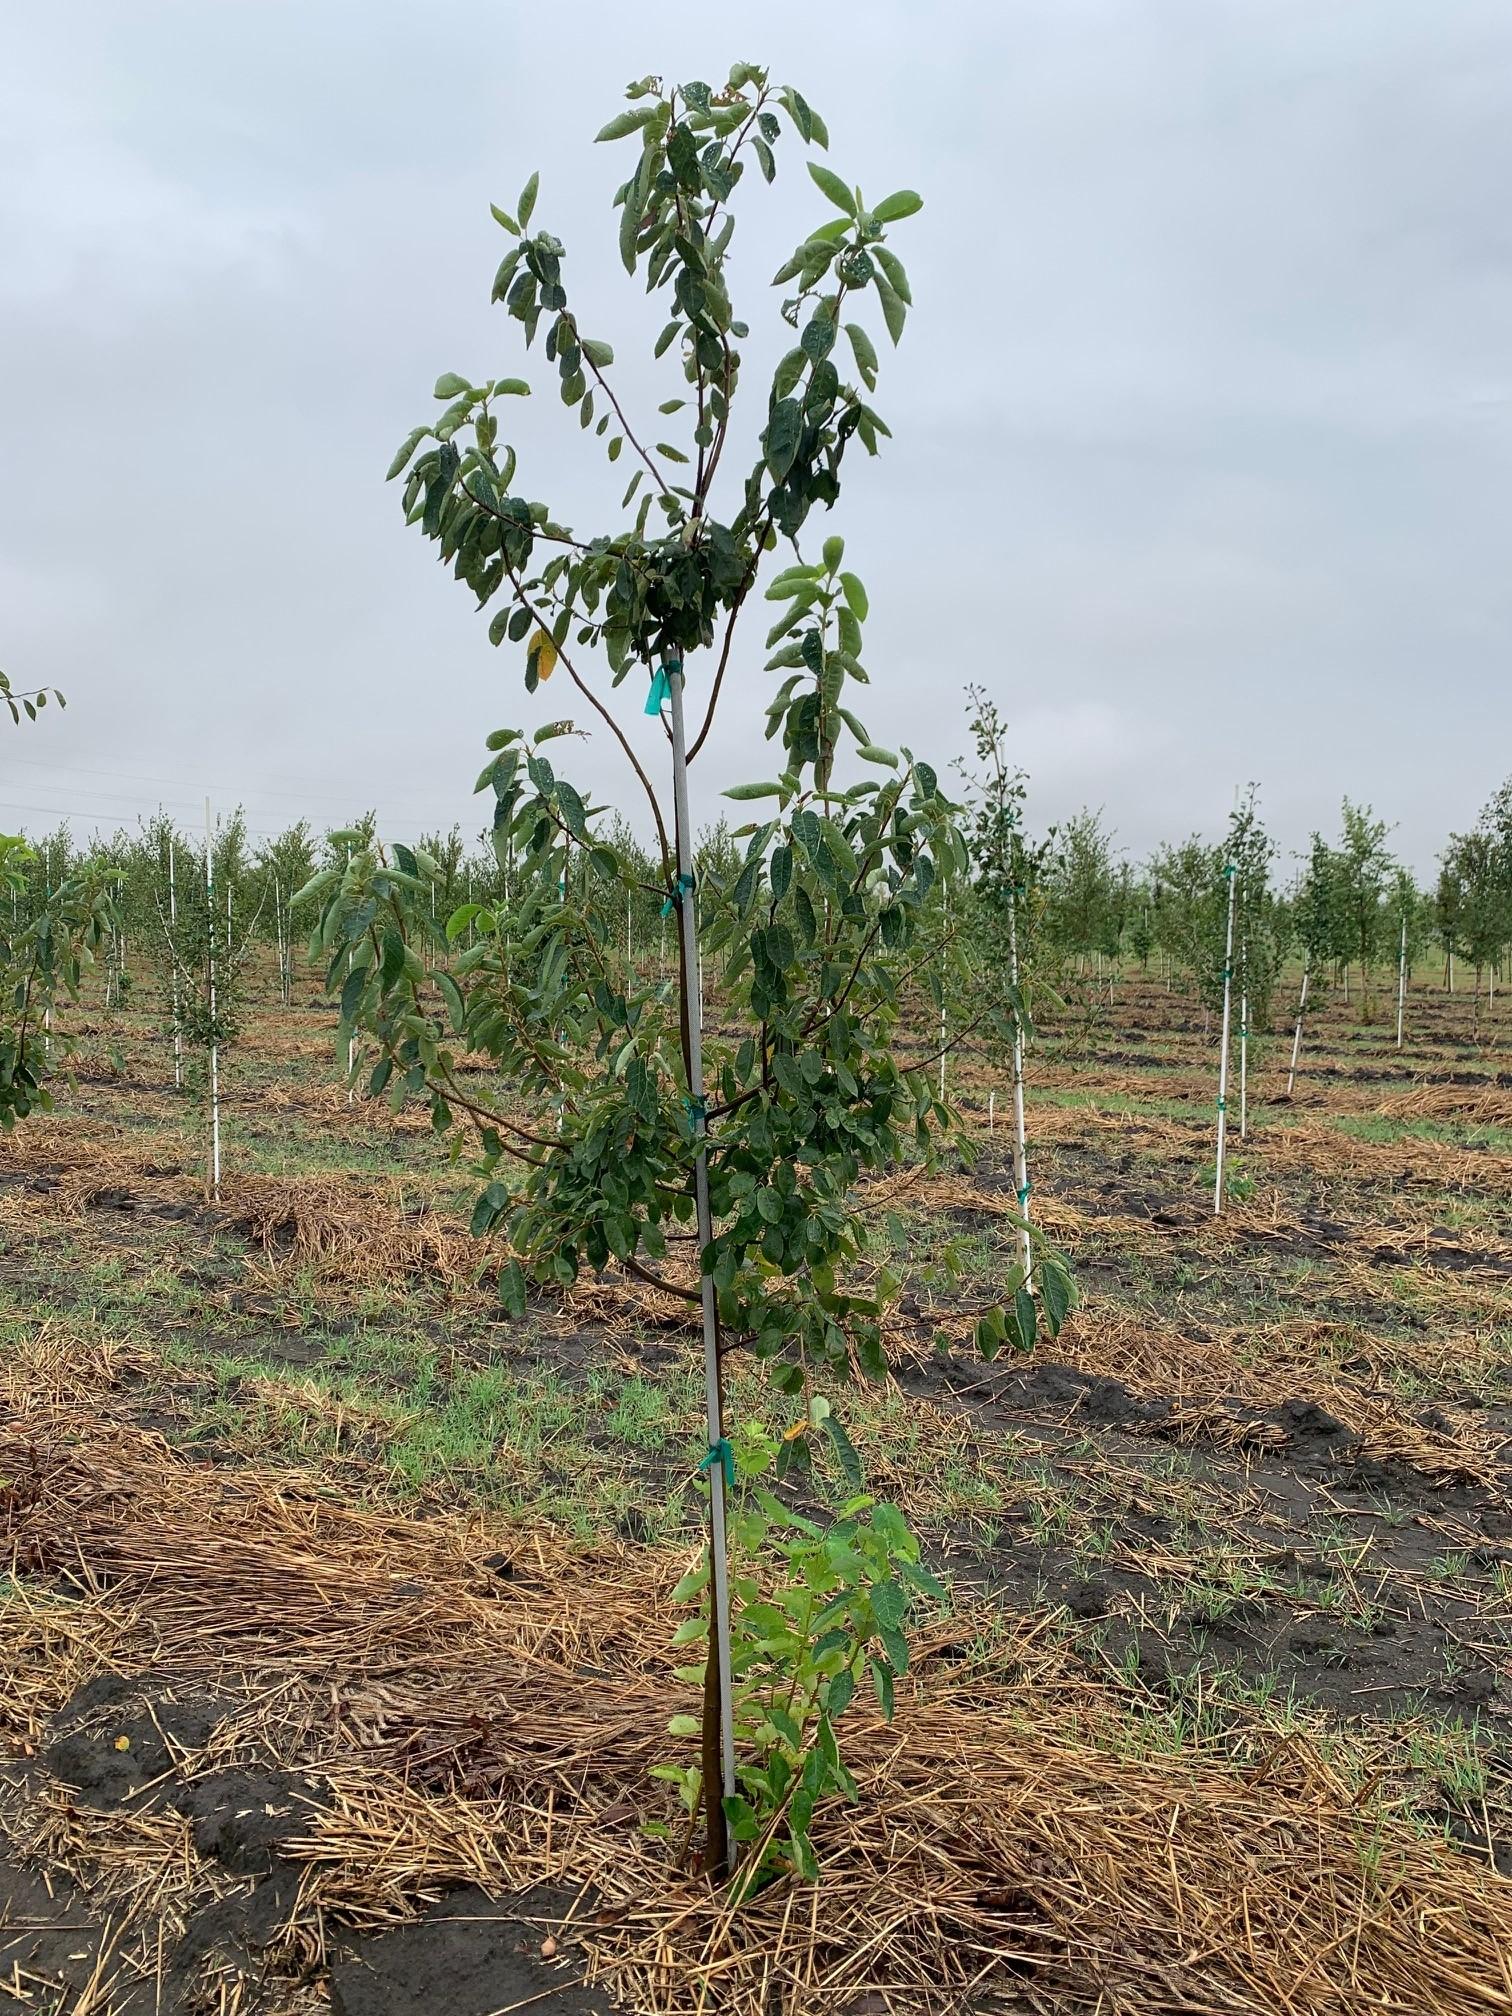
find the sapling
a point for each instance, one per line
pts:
(1004, 866)
(1231, 877)
(280, 867)
(717, 1169)
(1363, 869)
(1316, 918)
(202, 955)
(50, 934)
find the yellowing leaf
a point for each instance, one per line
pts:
(542, 654)
(123, 1742)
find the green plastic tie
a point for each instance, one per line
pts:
(1023, 1195)
(721, 1453)
(696, 1107)
(1223, 1105)
(684, 886)
(1231, 869)
(661, 687)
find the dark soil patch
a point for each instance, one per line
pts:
(120, 1736)
(468, 1956)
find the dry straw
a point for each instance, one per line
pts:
(497, 1728)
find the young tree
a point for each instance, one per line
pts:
(280, 869)
(1474, 865)
(1189, 901)
(1003, 865)
(1318, 926)
(721, 1174)
(49, 936)
(1247, 960)
(1259, 945)
(1363, 869)
(1080, 905)
(203, 942)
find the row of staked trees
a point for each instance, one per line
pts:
(1348, 914)
(159, 910)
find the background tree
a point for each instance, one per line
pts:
(1188, 903)
(279, 870)
(1259, 937)
(202, 947)
(1363, 870)
(50, 933)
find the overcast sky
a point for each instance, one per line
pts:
(1201, 423)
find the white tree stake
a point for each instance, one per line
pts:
(1297, 1036)
(178, 1019)
(1243, 1064)
(713, 1397)
(1402, 980)
(352, 1039)
(1244, 1035)
(942, 1008)
(1020, 1139)
(1223, 1046)
(215, 1138)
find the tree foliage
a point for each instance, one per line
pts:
(819, 909)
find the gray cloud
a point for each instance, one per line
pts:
(1202, 422)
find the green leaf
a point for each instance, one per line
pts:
(597, 353)
(855, 596)
(1057, 1293)
(784, 432)
(889, 1606)
(882, 1684)
(892, 266)
(744, 791)
(503, 217)
(845, 1451)
(902, 203)
(833, 187)
(894, 313)
(451, 995)
(631, 213)
(511, 388)
(865, 352)
(1026, 1318)
(393, 958)
(895, 1645)
(407, 448)
(869, 752)
(627, 122)
(528, 198)
(450, 386)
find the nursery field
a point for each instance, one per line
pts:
(335, 1641)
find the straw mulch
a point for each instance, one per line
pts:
(351, 1232)
(1460, 1103)
(473, 1726)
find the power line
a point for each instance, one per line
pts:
(124, 807)
(62, 771)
